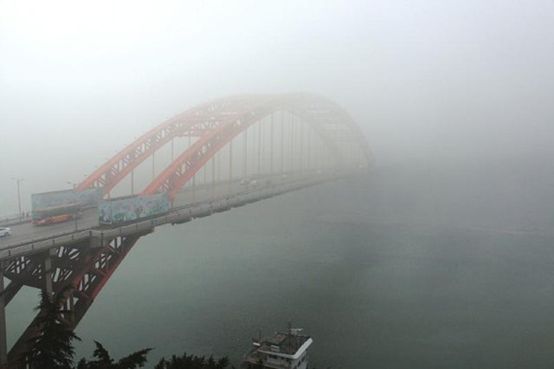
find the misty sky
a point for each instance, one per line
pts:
(80, 80)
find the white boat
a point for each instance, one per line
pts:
(282, 351)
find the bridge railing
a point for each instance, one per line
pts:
(6, 220)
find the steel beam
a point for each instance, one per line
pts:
(91, 267)
(3, 331)
(47, 272)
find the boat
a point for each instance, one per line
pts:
(285, 350)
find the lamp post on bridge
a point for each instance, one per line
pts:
(74, 215)
(19, 194)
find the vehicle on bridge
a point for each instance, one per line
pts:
(56, 214)
(5, 231)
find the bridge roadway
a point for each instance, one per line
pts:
(27, 239)
(25, 232)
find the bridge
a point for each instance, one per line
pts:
(216, 156)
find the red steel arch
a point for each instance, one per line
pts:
(194, 122)
(216, 123)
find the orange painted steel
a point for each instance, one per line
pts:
(216, 123)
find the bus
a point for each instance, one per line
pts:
(56, 214)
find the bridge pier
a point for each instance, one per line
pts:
(47, 272)
(3, 332)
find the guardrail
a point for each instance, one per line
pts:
(175, 215)
(6, 220)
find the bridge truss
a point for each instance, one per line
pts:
(296, 130)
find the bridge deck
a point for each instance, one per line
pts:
(28, 239)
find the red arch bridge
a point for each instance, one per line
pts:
(216, 156)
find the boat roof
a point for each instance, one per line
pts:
(284, 344)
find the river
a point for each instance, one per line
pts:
(393, 269)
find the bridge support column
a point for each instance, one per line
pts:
(133, 181)
(47, 272)
(3, 332)
(213, 176)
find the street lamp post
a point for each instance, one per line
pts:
(19, 194)
(74, 215)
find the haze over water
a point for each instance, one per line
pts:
(384, 271)
(442, 256)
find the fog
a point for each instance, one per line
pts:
(437, 87)
(454, 98)
(426, 80)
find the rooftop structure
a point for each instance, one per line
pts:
(283, 350)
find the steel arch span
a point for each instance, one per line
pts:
(215, 124)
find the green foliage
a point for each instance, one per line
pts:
(52, 348)
(192, 362)
(103, 360)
